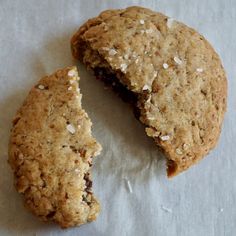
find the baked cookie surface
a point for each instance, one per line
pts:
(168, 71)
(51, 150)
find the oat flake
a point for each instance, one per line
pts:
(105, 48)
(170, 22)
(155, 74)
(151, 118)
(200, 70)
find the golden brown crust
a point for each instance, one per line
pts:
(51, 149)
(177, 75)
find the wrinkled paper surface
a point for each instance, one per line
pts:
(129, 175)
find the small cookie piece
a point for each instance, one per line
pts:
(168, 71)
(51, 150)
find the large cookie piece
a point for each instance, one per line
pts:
(51, 150)
(167, 70)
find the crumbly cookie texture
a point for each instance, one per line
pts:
(51, 150)
(172, 71)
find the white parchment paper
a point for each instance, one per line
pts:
(129, 176)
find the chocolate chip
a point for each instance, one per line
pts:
(82, 152)
(88, 182)
(51, 214)
(84, 198)
(111, 80)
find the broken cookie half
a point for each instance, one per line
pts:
(167, 71)
(51, 150)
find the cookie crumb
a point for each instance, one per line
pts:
(151, 132)
(77, 170)
(165, 138)
(177, 61)
(41, 87)
(165, 66)
(166, 209)
(126, 57)
(70, 128)
(200, 70)
(112, 52)
(170, 22)
(142, 22)
(70, 88)
(128, 185)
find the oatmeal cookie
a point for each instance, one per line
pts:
(167, 71)
(51, 150)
